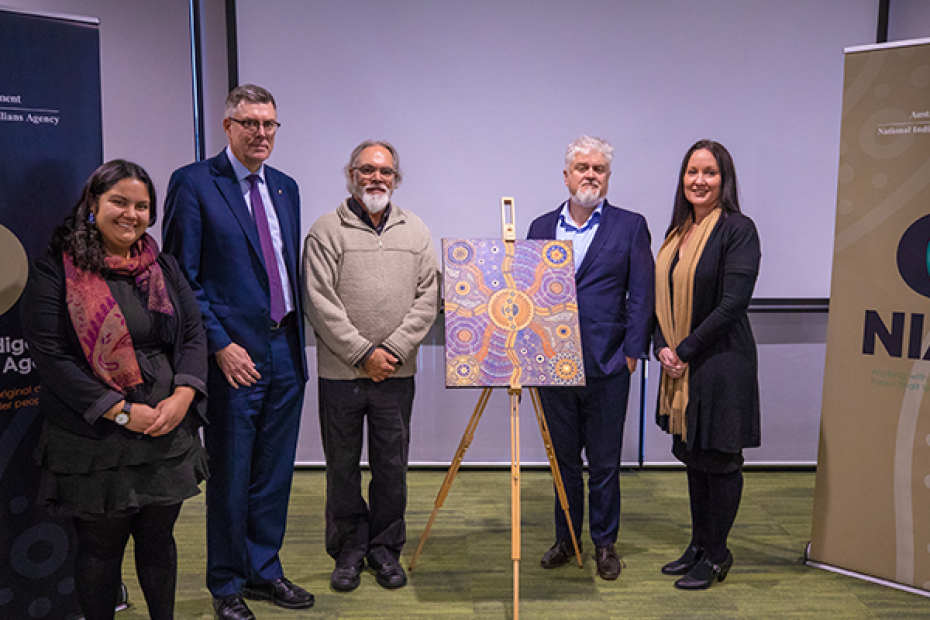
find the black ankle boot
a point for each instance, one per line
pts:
(705, 573)
(685, 563)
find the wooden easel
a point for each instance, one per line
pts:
(515, 392)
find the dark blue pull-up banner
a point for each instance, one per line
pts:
(50, 142)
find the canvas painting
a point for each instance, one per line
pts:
(511, 313)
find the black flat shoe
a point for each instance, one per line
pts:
(346, 578)
(282, 592)
(684, 564)
(232, 607)
(391, 575)
(704, 573)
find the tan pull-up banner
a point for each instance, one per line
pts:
(872, 499)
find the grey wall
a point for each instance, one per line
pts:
(908, 19)
(481, 98)
(348, 72)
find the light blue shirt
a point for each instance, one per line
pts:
(273, 226)
(581, 237)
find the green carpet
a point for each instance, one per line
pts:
(465, 570)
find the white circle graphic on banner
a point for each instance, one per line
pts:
(921, 76)
(15, 269)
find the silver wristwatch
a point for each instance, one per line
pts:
(122, 418)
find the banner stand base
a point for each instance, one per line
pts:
(851, 573)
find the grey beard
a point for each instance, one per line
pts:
(375, 203)
(587, 197)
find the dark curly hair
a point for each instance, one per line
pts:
(77, 234)
(683, 210)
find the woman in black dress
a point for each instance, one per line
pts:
(709, 393)
(115, 332)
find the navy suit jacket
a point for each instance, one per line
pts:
(616, 288)
(209, 229)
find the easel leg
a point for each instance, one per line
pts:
(515, 495)
(556, 474)
(464, 444)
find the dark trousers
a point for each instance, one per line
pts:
(251, 441)
(355, 530)
(99, 558)
(589, 418)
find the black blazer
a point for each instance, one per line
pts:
(723, 395)
(71, 395)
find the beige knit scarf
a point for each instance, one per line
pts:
(675, 316)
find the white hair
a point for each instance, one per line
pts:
(587, 144)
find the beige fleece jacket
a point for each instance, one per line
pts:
(361, 289)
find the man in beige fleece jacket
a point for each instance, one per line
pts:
(371, 293)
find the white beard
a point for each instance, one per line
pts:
(587, 196)
(376, 203)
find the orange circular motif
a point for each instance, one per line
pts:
(566, 369)
(511, 309)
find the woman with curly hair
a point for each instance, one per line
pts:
(115, 333)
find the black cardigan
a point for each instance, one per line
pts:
(723, 397)
(71, 395)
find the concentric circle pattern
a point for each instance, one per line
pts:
(511, 314)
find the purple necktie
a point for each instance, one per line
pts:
(271, 262)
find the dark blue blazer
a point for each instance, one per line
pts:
(209, 229)
(616, 288)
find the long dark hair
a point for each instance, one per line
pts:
(77, 234)
(683, 210)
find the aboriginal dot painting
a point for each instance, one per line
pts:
(511, 313)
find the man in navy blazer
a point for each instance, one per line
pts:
(233, 223)
(614, 277)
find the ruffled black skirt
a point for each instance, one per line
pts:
(120, 473)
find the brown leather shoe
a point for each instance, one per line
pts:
(609, 563)
(560, 554)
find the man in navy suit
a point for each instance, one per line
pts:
(614, 277)
(233, 223)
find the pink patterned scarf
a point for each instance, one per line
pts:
(98, 320)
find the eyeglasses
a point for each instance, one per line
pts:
(369, 171)
(251, 125)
